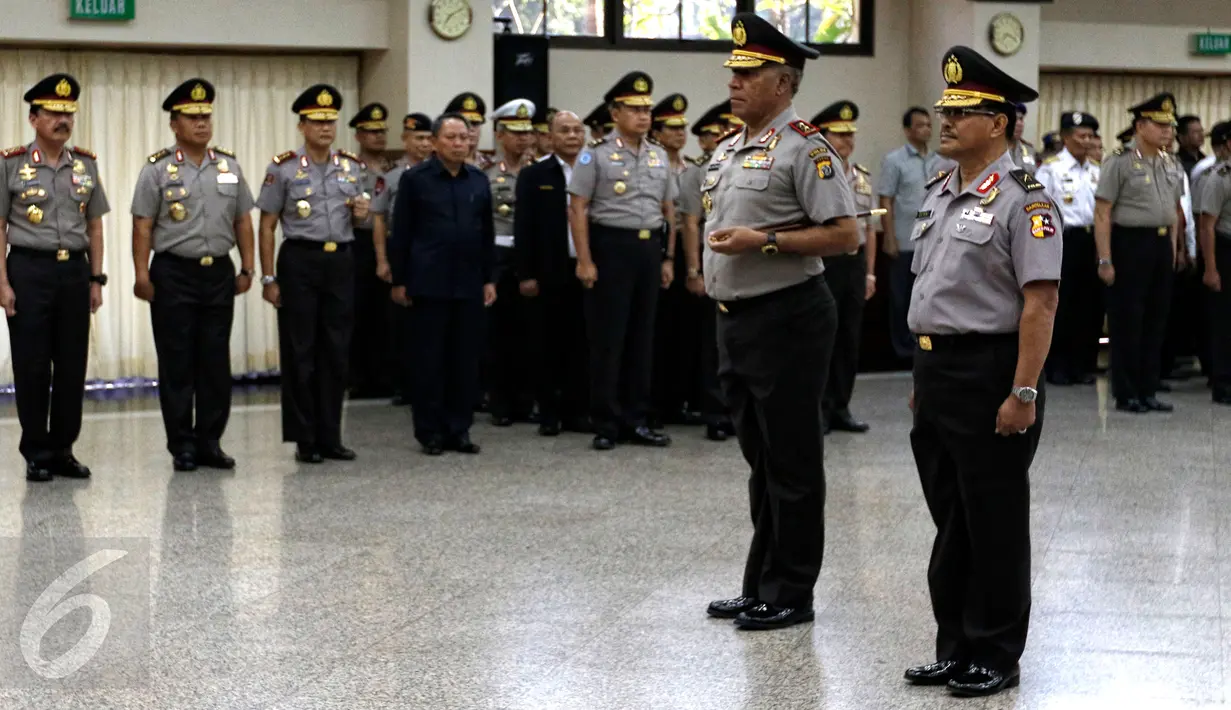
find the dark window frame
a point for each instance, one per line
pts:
(613, 35)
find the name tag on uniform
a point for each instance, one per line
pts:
(978, 216)
(228, 179)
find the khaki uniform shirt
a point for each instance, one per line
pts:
(787, 177)
(194, 208)
(385, 195)
(689, 201)
(1023, 156)
(1215, 197)
(504, 200)
(976, 248)
(314, 206)
(1072, 185)
(369, 174)
(49, 207)
(1143, 192)
(861, 191)
(626, 188)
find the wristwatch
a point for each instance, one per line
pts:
(100, 279)
(694, 273)
(268, 279)
(771, 244)
(1104, 262)
(1025, 395)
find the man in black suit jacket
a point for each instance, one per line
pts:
(546, 266)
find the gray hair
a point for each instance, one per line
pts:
(796, 76)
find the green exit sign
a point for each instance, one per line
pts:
(1211, 44)
(118, 10)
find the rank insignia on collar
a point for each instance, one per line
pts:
(804, 128)
(987, 184)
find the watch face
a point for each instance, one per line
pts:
(450, 18)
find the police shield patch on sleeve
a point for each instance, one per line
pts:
(824, 168)
(1041, 226)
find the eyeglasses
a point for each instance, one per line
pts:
(948, 112)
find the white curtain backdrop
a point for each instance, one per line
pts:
(121, 119)
(1108, 96)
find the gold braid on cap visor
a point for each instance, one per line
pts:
(962, 98)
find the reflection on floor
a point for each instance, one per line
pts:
(543, 575)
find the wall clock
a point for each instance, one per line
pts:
(450, 19)
(1006, 34)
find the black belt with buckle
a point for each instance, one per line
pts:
(327, 247)
(57, 254)
(963, 341)
(206, 260)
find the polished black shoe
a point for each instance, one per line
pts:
(845, 422)
(463, 445)
(1154, 405)
(731, 608)
(1131, 405)
(215, 458)
(338, 453)
(37, 472)
(728, 428)
(938, 673)
(603, 443)
(765, 617)
(977, 681)
(70, 467)
(502, 421)
(184, 462)
(645, 436)
(308, 454)
(1220, 397)
(549, 429)
(715, 433)
(433, 447)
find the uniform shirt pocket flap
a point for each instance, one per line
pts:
(973, 232)
(228, 189)
(921, 228)
(752, 179)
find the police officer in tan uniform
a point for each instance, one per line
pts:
(472, 108)
(851, 277)
(776, 201)
(1135, 230)
(599, 122)
(1214, 208)
(417, 141)
(622, 194)
(316, 195)
(51, 209)
(370, 353)
(988, 249)
(190, 207)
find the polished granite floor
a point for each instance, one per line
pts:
(542, 575)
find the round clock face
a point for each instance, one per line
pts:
(1007, 34)
(450, 18)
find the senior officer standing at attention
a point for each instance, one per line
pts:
(1136, 213)
(369, 350)
(988, 254)
(191, 205)
(51, 209)
(776, 201)
(315, 194)
(622, 193)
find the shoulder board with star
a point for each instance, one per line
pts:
(1052, 159)
(85, 151)
(597, 142)
(1118, 151)
(283, 157)
(160, 155)
(939, 176)
(223, 151)
(15, 151)
(1026, 180)
(352, 156)
(730, 133)
(805, 129)
(863, 169)
(700, 161)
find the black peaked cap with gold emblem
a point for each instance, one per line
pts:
(1160, 109)
(838, 117)
(1127, 134)
(318, 103)
(194, 97)
(542, 119)
(600, 117)
(58, 92)
(713, 121)
(416, 122)
(974, 81)
(373, 117)
(470, 106)
(633, 89)
(757, 43)
(1078, 119)
(670, 111)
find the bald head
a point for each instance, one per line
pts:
(568, 136)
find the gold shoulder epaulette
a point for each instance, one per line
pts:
(1118, 151)
(15, 151)
(352, 156)
(1051, 160)
(863, 169)
(86, 152)
(700, 161)
(225, 151)
(282, 157)
(939, 176)
(160, 155)
(597, 142)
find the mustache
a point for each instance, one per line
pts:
(61, 127)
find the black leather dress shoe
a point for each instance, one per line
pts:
(603, 443)
(37, 472)
(715, 433)
(184, 462)
(433, 447)
(645, 436)
(765, 617)
(70, 467)
(463, 445)
(938, 673)
(502, 421)
(338, 453)
(549, 429)
(731, 608)
(845, 422)
(215, 458)
(308, 454)
(1154, 405)
(978, 681)
(1131, 405)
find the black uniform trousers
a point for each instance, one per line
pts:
(509, 379)
(372, 369)
(1138, 304)
(977, 486)
(1079, 317)
(677, 328)
(560, 355)
(314, 330)
(1220, 320)
(446, 341)
(620, 311)
(50, 338)
(192, 313)
(901, 284)
(712, 403)
(774, 355)
(847, 277)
